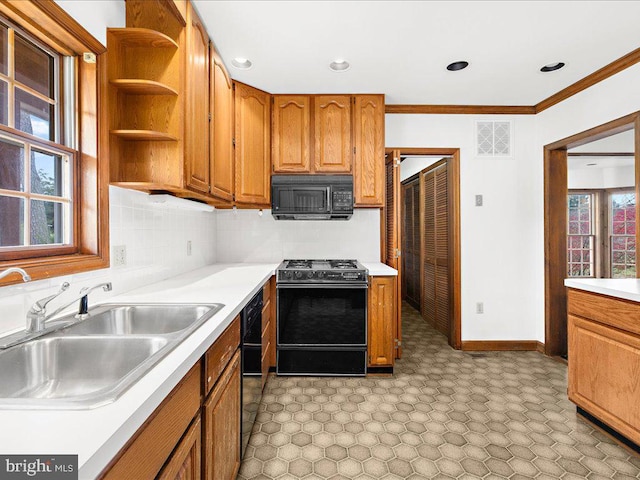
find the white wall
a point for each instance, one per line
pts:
(96, 15)
(503, 242)
(244, 236)
(615, 177)
(497, 238)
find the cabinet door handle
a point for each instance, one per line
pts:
(209, 380)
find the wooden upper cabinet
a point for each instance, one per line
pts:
(332, 122)
(221, 152)
(253, 145)
(196, 126)
(369, 163)
(291, 133)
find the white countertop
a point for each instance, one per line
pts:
(377, 269)
(97, 435)
(625, 288)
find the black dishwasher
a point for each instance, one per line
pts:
(251, 317)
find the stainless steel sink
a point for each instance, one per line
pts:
(74, 369)
(147, 319)
(90, 363)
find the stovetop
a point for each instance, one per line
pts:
(321, 271)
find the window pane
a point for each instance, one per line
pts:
(46, 173)
(47, 222)
(4, 103)
(34, 116)
(3, 49)
(11, 221)
(11, 165)
(34, 67)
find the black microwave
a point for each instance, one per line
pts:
(312, 197)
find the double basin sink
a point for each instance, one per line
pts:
(90, 363)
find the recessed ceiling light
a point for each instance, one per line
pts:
(455, 66)
(339, 65)
(591, 164)
(552, 67)
(241, 63)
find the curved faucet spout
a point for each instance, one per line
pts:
(25, 276)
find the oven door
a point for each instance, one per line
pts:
(322, 330)
(322, 315)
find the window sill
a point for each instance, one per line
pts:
(43, 268)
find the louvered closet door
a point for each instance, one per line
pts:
(411, 248)
(390, 214)
(428, 309)
(393, 220)
(442, 251)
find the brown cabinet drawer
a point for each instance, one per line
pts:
(266, 339)
(219, 354)
(266, 292)
(151, 446)
(616, 312)
(266, 316)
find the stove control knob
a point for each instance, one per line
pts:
(320, 274)
(298, 274)
(309, 274)
(287, 274)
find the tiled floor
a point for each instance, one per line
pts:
(444, 414)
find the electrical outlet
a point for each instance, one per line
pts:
(188, 248)
(479, 307)
(478, 200)
(119, 255)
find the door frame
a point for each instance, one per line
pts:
(453, 180)
(555, 222)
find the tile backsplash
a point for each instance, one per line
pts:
(155, 238)
(246, 236)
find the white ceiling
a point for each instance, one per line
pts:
(401, 48)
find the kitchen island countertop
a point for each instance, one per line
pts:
(624, 288)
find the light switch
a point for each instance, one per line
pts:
(478, 200)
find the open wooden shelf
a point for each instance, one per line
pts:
(143, 135)
(143, 87)
(143, 37)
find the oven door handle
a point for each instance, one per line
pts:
(363, 286)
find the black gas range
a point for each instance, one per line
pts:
(321, 317)
(321, 271)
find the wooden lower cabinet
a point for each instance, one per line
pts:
(222, 410)
(382, 321)
(193, 433)
(604, 360)
(185, 463)
(152, 446)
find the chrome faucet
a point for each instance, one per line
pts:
(37, 314)
(25, 276)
